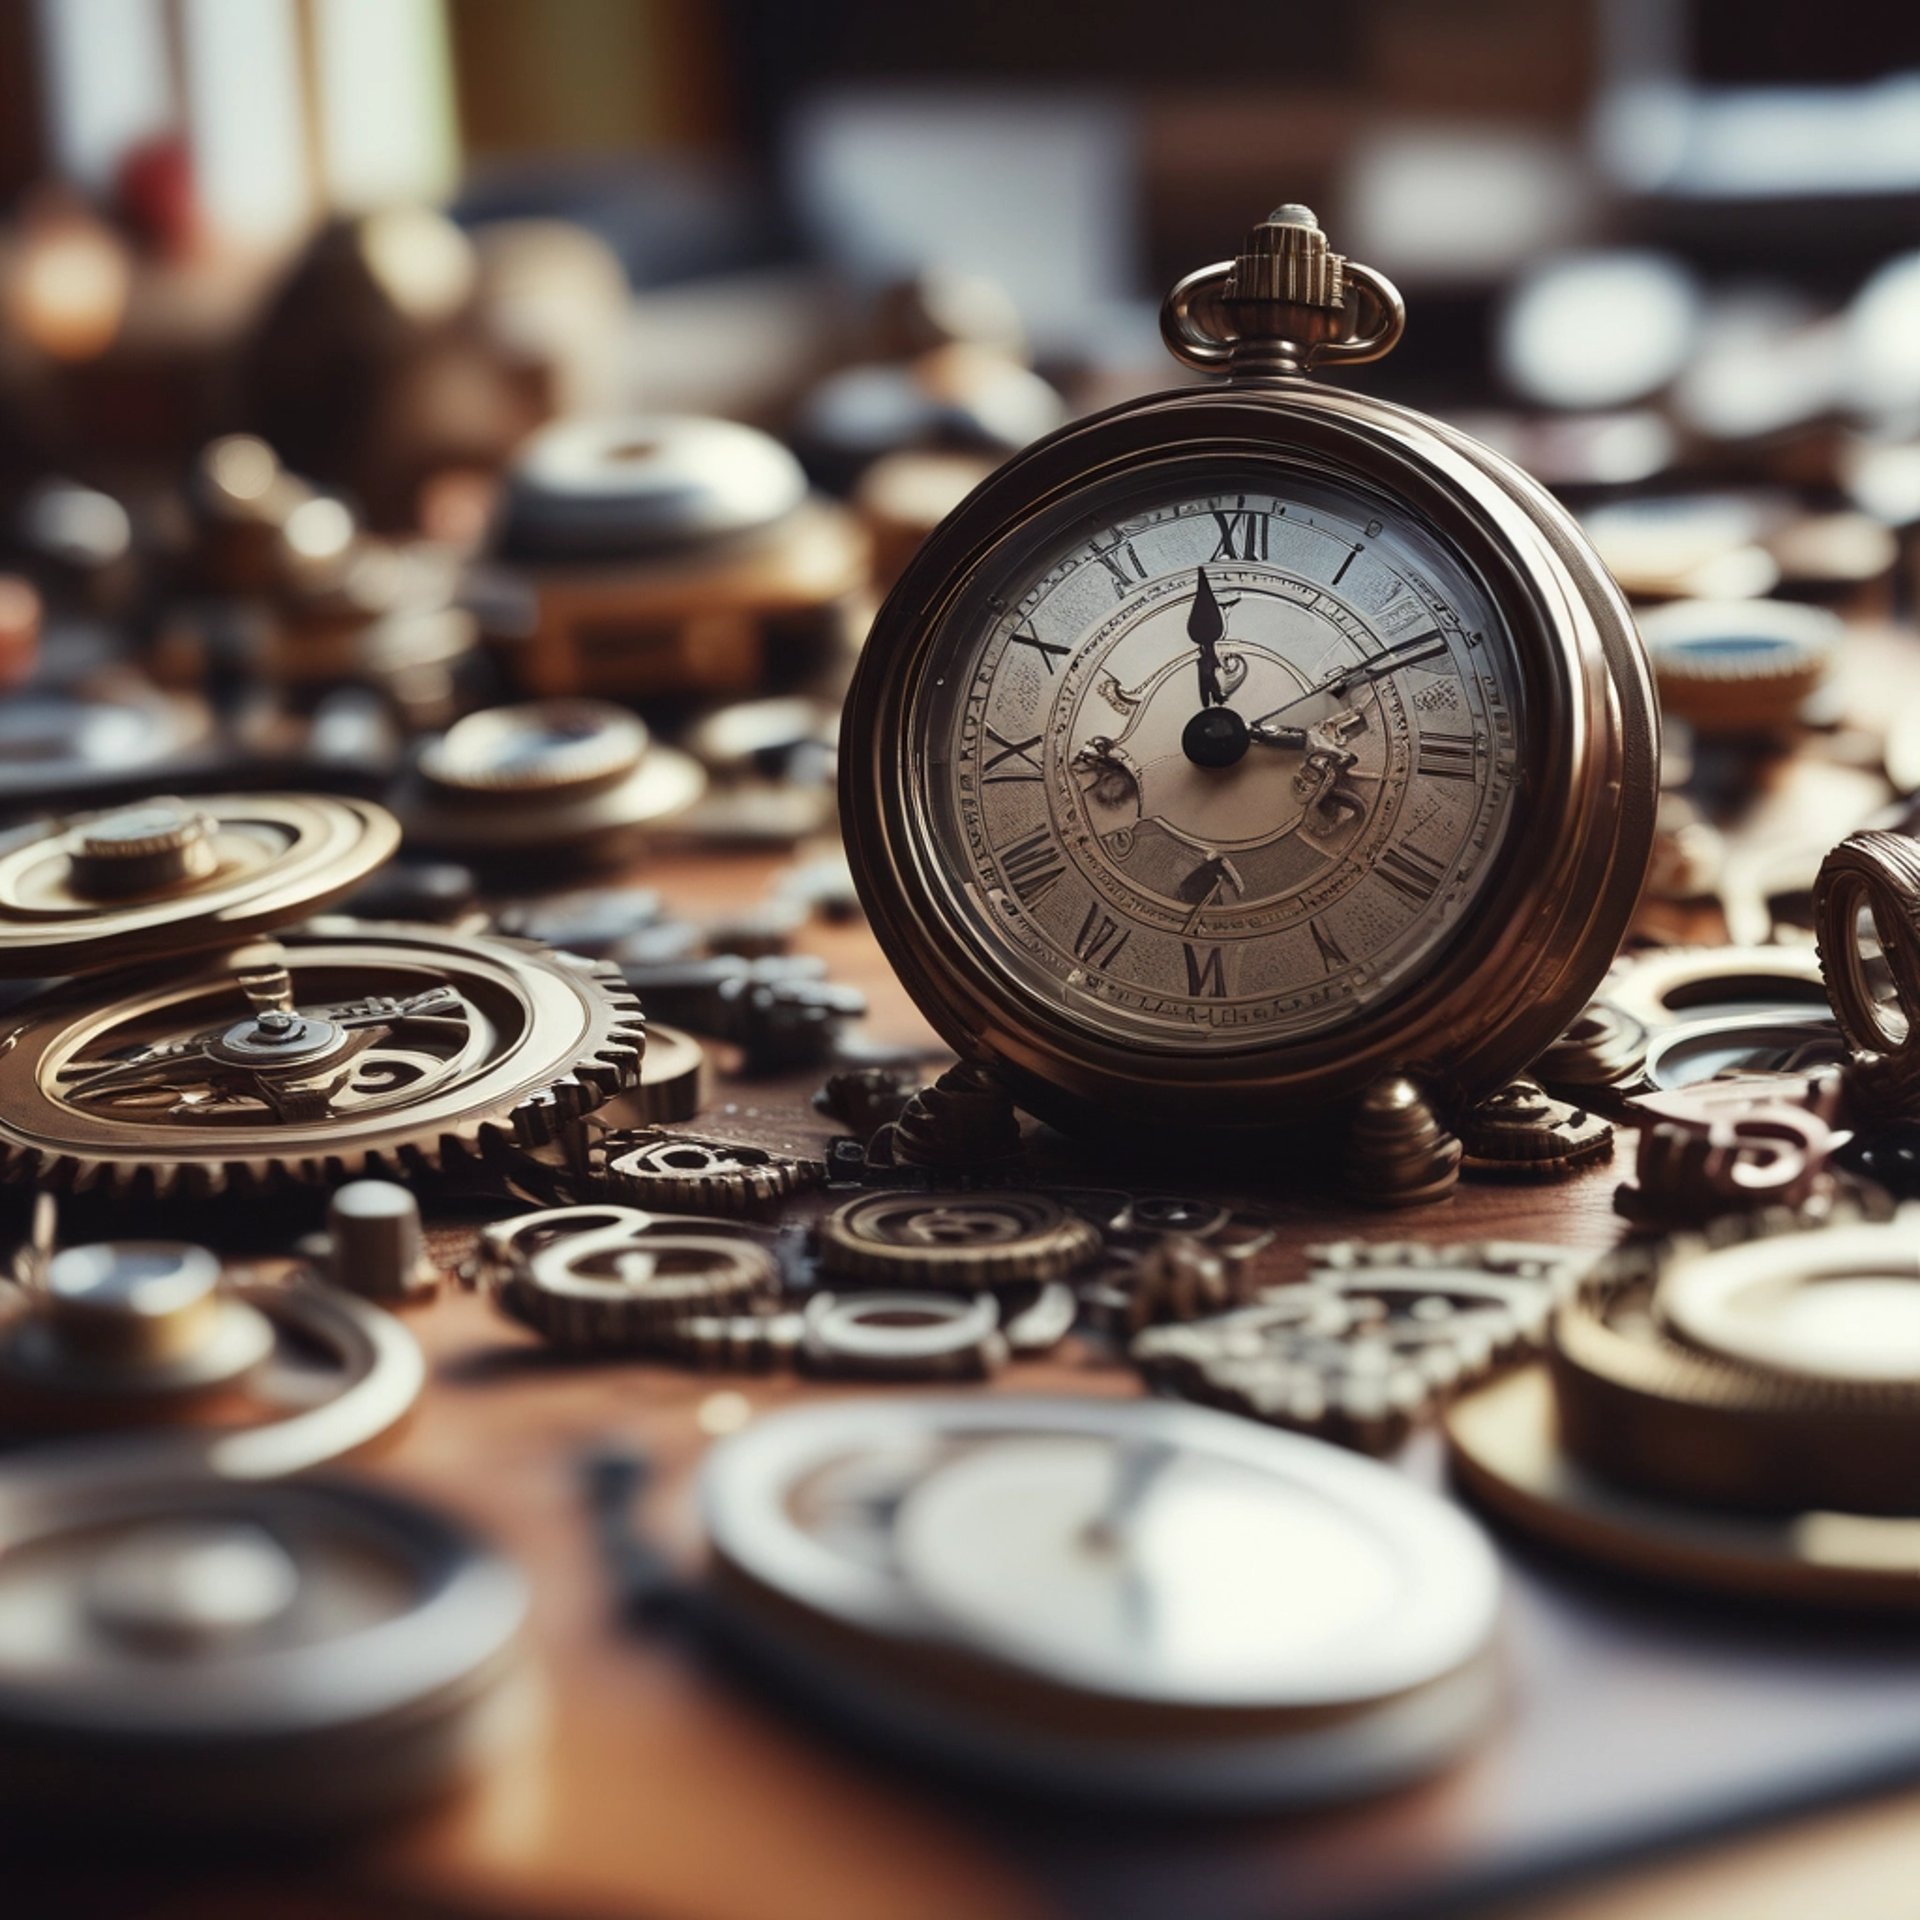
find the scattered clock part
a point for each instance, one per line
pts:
(1175, 1277)
(1867, 924)
(1794, 1049)
(612, 1279)
(769, 766)
(1360, 1361)
(865, 1099)
(903, 1336)
(1736, 1145)
(659, 556)
(1675, 985)
(246, 1379)
(1773, 1369)
(580, 781)
(965, 1121)
(1603, 1049)
(1738, 666)
(122, 1330)
(374, 1245)
(275, 1658)
(1520, 1133)
(961, 1240)
(1121, 1601)
(170, 877)
(677, 1172)
(1505, 1453)
(1536, 1274)
(377, 1050)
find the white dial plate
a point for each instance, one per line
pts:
(1167, 900)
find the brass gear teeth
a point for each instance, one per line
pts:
(462, 1148)
(610, 1069)
(1643, 1406)
(652, 1167)
(955, 1240)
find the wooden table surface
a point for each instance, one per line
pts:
(638, 1780)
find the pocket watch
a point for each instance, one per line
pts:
(1239, 745)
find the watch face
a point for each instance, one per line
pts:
(1216, 761)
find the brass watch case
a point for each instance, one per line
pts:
(1516, 971)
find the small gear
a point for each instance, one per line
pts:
(344, 1050)
(574, 781)
(1521, 1134)
(675, 1170)
(615, 1279)
(1872, 877)
(165, 878)
(1717, 1367)
(957, 1240)
(1359, 1362)
(903, 1336)
(1604, 1048)
(1738, 666)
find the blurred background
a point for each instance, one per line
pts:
(308, 309)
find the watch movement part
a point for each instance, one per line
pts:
(1738, 666)
(903, 1336)
(1505, 1453)
(1868, 890)
(265, 1658)
(606, 1279)
(675, 1171)
(1652, 1410)
(164, 879)
(382, 1050)
(1521, 1134)
(949, 1570)
(955, 1240)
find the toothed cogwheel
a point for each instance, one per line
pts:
(345, 1050)
(676, 1170)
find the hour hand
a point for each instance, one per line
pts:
(1269, 733)
(1205, 627)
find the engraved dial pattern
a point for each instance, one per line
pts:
(1355, 777)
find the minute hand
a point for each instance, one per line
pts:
(1409, 653)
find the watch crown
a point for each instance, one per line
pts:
(1286, 259)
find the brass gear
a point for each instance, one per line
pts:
(166, 878)
(648, 1167)
(346, 1050)
(956, 1240)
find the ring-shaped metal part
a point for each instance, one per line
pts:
(1876, 874)
(899, 1329)
(1376, 317)
(275, 858)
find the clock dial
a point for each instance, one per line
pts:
(1221, 764)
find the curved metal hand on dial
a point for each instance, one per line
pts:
(1409, 653)
(1206, 627)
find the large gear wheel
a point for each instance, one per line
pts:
(340, 1051)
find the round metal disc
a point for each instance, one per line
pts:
(1841, 1305)
(239, 1656)
(1126, 1601)
(1506, 1455)
(275, 858)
